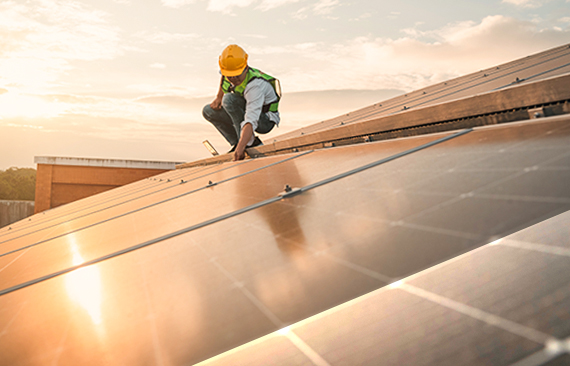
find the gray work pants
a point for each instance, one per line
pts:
(228, 119)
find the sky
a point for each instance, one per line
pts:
(127, 79)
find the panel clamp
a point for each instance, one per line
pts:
(290, 192)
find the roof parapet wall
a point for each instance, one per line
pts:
(105, 163)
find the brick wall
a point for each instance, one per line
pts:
(64, 180)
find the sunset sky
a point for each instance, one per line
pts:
(127, 79)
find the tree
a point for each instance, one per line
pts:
(18, 184)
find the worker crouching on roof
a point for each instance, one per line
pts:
(247, 101)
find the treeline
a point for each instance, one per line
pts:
(18, 184)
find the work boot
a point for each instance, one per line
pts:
(256, 142)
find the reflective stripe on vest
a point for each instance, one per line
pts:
(253, 74)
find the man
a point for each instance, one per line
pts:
(247, 101)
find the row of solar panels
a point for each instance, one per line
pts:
(194, 262)
(540, 66)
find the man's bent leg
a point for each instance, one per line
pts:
(222, 121)
(234, 105)
(264, 125)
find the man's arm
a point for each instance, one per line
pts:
(254, 102)
(217, 103)
(246, 133)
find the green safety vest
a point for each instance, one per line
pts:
(252, 74)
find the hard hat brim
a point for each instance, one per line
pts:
(232, 72)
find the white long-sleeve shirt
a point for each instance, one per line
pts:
(257, 93)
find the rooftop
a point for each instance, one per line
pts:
(428, 235)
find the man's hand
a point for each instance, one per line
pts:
(239, 153)
(246, 133)
(216, 103)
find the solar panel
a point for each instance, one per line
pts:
(504, 303)
(182, 270)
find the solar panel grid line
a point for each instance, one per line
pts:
(225, 216)
(306, 349)
(13, 260)
(539, 358)
(543, 248)
(556, 168)
(379, 276)
(506, 197)
(6, 327)
(254, 300)
(491, 319)
(437, 230)
(144, 207)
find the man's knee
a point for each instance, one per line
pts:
(264, 127)
(232, 101)
(207, 112)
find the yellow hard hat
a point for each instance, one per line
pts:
(233, 60)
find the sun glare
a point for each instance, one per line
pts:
(17, 105)
(84, 287)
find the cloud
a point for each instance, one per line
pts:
(166, 37)
(321, 7)
(525, 3)
(157, 66)
(325, 6)
(176, 3)
(226, 6)
(40, 40)
(271, 4)
(416, 60)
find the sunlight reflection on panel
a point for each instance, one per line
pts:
(84, 287)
